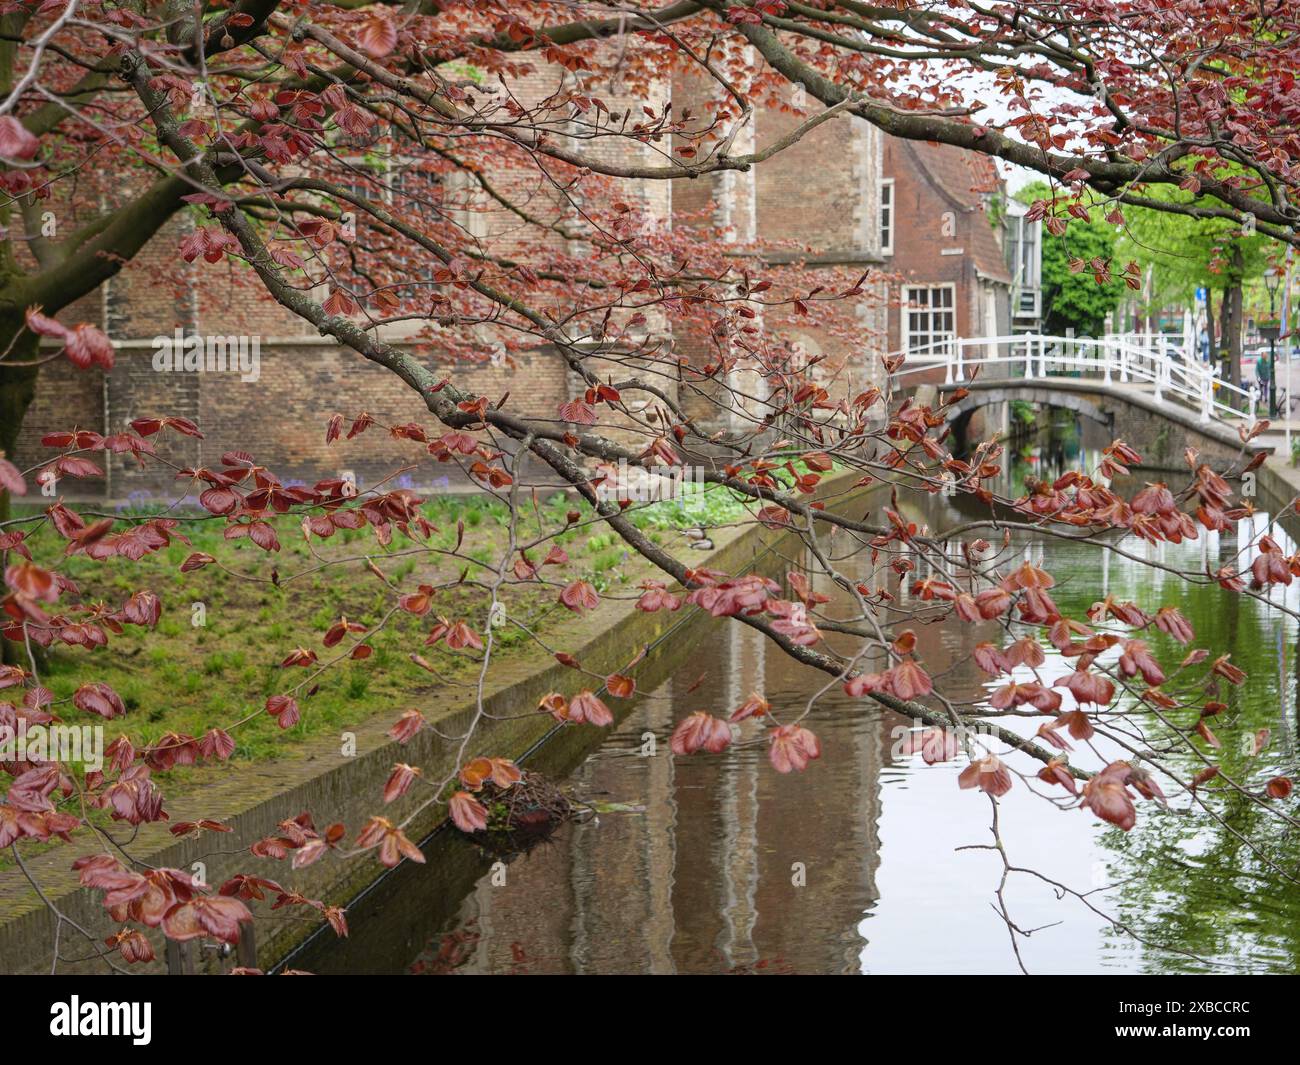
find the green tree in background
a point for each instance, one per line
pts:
(1181, 253)
(1075, 295)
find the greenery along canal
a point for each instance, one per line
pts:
(862, 863)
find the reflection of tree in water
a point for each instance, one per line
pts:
(1055, 444)
(1060, 442)
(1223, 890)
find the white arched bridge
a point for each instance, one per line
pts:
(1128, 366)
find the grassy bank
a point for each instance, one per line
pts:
(215, 655)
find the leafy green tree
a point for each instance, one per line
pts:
(1182, 252)
(1076, 294)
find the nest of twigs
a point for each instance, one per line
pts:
(523, 814)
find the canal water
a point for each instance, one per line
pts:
(863, 863)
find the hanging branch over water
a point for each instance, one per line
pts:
(488, 172)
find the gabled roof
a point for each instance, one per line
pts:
(965, 180)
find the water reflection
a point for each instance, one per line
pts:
(864, 862)
(696, 864)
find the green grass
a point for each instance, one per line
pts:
(187, 678)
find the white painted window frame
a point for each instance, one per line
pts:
(905, 312)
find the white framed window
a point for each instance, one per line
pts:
(929, 316)
(1024, 257)
(887, 216)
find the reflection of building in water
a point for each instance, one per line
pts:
(739, 849)
(701, 880)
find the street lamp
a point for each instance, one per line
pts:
(1272, 282)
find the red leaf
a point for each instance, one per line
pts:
(988, 774)
(263, 535)
(87, 346)
(32, 581)
(792, 747)
(467, 812)
(16, 141)
(407, 726)
(1278, 788)
(217, 743)
(10, 479)
(578, 412)
(400, 781)
(339, 303)
(1107, 796)
(700, 732)
(580, 596)
(99, 699)
(218, 917)
(377, 36)
(587, 707)
(620, 686)
(909, 681)
(284, 708)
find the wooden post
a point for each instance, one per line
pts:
(246, 949)
(181, 956)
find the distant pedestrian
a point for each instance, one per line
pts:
(1263, 371)
(1205, 346)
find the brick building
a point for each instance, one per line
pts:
(944, 245)
(844, 199)
(815, 204)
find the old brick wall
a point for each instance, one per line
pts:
(821, 193)
(815, 203)
(942, 232)
(66, 398)
(280, 418)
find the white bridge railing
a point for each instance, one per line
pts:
(1173, 374)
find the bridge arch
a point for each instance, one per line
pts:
(1083, 405)
(1140, 390)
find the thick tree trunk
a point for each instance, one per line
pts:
(1236, 325)
(17, 386)
(17, 390)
